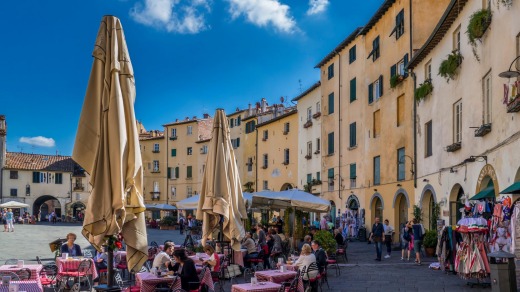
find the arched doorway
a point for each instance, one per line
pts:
(401, 210)
(455, 203)
(376, 206)
(76, 208)
(427, 205)
(45, 205)
(352, 203)
(286, 186)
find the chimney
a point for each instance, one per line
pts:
(249, 110)
(206, 116)
(194, 118)
(176, 120)
(187, 118)
(264, 105)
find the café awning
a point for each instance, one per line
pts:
(512, 189)
(488, 192)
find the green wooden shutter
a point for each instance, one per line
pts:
(318, 175)
(309, 177)
(393, 70)
(188, 172)
(331, 143)
(169, 175)
(177, 172)
(353, 171)
(174, 152)
(405, 65)
(370, 93)
(353, 141)
(380, 85)
(330, 173)
(331, 103)
(352, 90)
(36, 177)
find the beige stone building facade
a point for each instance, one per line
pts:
(154, 155)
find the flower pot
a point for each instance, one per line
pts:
(430, 251)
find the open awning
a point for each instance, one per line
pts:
(512, 189)
(488, 192)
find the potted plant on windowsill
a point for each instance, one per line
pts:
(477, 26)
(448, 67)
(430, 242)
(395, 80)
(423, 90)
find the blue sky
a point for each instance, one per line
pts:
(189, 57)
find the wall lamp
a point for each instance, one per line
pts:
(426, 180)
(453, 170)
(510, 73)
(474, 158)
(402, 159)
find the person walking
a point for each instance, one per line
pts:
(389, 234)
(406, 238)
(53, 215)
(3, 214)
(9, 217)
(181, 224)
(376, 236)
(418, 234)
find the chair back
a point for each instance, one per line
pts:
(119, 279)
(144, 268)
(84, 266)
(87, 253)
(312, 271)
(49, 270)
(24, 274)
(154, 244)
(14, 277)
(11, 262)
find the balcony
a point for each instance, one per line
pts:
(454, 147)
(316, 115)
(155, 151)
(155, 195)
(317, 152)
(483, 130)
(307, 124)
(155, 171)
(514, 105)
(308, 156)
(79, 187)
(173, 138)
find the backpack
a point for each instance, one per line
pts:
(406, 236)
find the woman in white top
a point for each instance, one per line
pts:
(305, 260)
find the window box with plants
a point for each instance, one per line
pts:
(477, 26)
(448, 67)
(454, 147)
(167, 223)
(396, 80)
(513, 104)
(307, 124)
(423, 90)
(483, 130)
(316, 115)
(308, 156)
(430, 242)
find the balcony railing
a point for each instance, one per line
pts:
(79, 187)
(173, 138)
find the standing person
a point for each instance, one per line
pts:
(323, 223)
(3, 214)
(418, 233)
(377, 237)
(53, 217)
(181, 224)
(406, 238)
(389, 233)
(279, 224)
(261, 235)
(9, 217)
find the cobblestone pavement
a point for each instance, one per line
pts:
(361, 273)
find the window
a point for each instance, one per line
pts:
(250, 127)
(204, 149)
(429, 139)
(428, 71)
(457, 121)
(318, 145)
(318, 107)
(36, 177)
(286, 128)
(235, 143)
(318, 176)
(377, 174)
(156, 148)
(399, 25)
(174, 132)
(331, 103)
(309, 113)
(27, 190)
(190, 130)
(375, 49)
(352, 89)
(309, 148)
(286, 156)
(265, 185)
(174, 152)
(400, 164)
(189, 191)
(250, 164)
(190, 150)
(330, 176)
(169, 172)
(239, 120)
(265, 160)
(352, 139)
(486, 88)
(400, 110)
(13, 174)
(375, 90)
(231, 123)
(266, 135)
(155, 186)
(456, 39)
(14, 192)
(330, 143)
(353, 175)
(58, 178)
(309, 177)
(188, 172)
(352, 55)
(330, 71)
(155, 166)
(377, 123)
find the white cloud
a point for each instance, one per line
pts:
(179, 16)
(38, 141)
(317, 6)
(263, 13)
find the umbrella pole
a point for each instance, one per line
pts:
(109, 287)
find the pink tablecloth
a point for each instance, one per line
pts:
(29, 286)
(71, 265)
(275, 276)
(35, 270)
(148, 281)
(205, 257)
(267, 287)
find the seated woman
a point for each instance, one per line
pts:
(70, 247)
(252, 252)
(214, 261)
(305, 260)
(185, 268)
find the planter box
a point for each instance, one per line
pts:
(316, 115)
(483, 130)
(307, 124)
(454, 147)
(514, 106)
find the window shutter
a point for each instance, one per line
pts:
(393, 70)
(309, 177)
(331, 103)
(331, 143)
(169, 175)
(177, 172)
(174, 152)
(352, 134)
(353, 171)
(352, 90)
(380, 85)
(239, 120)
(188, 171)
(370, 93)
(331, 173)
(36, 177)
(318, 175)
(405, 65)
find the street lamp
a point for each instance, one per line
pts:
(509, 73)
(412, 170)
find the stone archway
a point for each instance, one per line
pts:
(377, 206)
(487, 178)
(44, 205)
(286, 186)
(455, 203)
(352, 203)
(401, 204)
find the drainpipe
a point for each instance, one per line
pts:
(167, 179)
(414, 103)
(339, 130)
(256, 164)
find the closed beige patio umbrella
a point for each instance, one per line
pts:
(107, 147)
(221, 193)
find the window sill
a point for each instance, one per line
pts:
(352, 147)
(330, 154)
(156, 171)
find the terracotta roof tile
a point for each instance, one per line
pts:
(25, 161)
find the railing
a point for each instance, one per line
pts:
(173, 138)
(79, 187)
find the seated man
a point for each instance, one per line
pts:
(249, 244)
(163, 260)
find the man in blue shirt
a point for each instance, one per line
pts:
(377, 237)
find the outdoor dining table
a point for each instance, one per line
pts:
(238, 256)
(279, 277)
(72, 265)
(196, 258)
(261, 287)
(148, 281)
(35, 270)
(28, 286)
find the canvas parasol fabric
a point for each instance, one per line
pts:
(14, 204)
(221, 192)
(107, 147)
(158, 207)
(290, 198)
(190, 203)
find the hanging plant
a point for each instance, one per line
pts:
(423, 90)
(395, 80)
(448, 67)
(298, 226)
(417, 213)
(477, 26)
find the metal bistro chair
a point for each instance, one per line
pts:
(48, 275)
(170, 287)
(332, 262)
(291, 286)
(11, 262)
(24, 274)
(81, 275)
(313, 280)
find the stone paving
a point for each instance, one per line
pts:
(361, 273)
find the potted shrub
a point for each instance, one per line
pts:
(477, 26)
(166, 223)
(448, 67)
(423, 90)
(430, 242)
(326, 240)
(395, 80)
